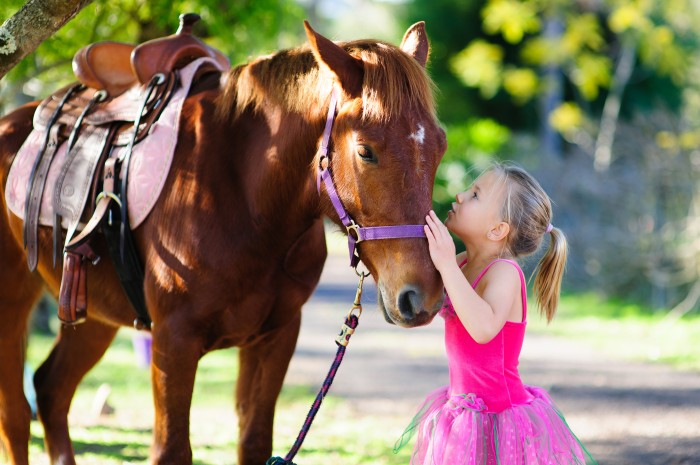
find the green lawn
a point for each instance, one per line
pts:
(339, 435)
(627, 330)
(125, 436)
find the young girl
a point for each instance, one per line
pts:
(486, 415)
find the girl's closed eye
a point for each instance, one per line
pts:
(474, 196)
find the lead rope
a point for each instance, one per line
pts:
(342, 340)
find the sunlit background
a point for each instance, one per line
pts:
(599, 99)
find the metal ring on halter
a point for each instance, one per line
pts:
(321, 159)
(354, 227)
(362, 274)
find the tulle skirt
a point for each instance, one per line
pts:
(457, 430)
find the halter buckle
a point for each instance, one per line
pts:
(354, 227)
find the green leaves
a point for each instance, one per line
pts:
(240, 29)
(513, 19)
(584, 44)
(480, 65)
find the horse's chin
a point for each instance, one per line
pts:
(382, 307)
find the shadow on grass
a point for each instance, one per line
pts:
(120, 451)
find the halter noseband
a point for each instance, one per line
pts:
(356, 233)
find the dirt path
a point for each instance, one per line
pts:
(625, 413)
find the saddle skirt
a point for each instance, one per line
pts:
(148, 168)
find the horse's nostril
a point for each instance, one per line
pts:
(409, 302)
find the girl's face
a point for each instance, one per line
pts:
(478, 209)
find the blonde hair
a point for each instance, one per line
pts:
(528, 211)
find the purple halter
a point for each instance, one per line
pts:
(356, 233)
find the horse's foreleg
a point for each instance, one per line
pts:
(15, 413)
(19, 290)
(262, 370)
(175, 360)
(77, 350)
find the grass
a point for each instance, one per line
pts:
(627, 330)
(124, 437)
(338, 435)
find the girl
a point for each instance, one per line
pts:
(486, 415)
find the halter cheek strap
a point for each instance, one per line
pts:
(356, 233)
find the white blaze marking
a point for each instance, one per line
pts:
(419, 135)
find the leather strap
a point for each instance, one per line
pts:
(125, 258)
(72, 297)
(107, 196)
(36, 194)
(37, 179)
(157, 81)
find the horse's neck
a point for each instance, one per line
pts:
(288, 116)
(270, 153)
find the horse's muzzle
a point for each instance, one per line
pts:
(407, 309)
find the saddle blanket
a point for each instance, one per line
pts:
(148, 168)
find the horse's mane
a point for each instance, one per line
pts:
(393, 81)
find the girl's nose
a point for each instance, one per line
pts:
(458, 197)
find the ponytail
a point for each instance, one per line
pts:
(549, 274)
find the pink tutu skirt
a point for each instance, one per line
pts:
(458, 431)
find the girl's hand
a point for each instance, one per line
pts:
(440, 243)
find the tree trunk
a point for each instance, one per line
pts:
(35, 22)
(611, 109)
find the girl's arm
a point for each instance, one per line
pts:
(483, 315)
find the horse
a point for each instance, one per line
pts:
(235, 243)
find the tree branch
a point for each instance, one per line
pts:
(686, 305)
(35, 22)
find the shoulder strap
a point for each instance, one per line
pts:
(523, 286)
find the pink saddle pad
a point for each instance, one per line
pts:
(148, 168)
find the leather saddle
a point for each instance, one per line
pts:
(122, 89)
(117, 67)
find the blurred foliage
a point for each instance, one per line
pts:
(584, 45)
(240, 29)
(547, 83)
(602, 104)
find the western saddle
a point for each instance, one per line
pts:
(121, 91)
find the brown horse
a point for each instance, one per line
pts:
(235, 244)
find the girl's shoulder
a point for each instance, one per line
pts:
(503, 281)
(501, 272)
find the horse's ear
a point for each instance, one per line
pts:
(415, 43)
(348, 69)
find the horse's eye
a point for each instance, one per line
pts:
(366, 153)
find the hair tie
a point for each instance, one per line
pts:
(549, 228)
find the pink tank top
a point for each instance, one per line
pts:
(488, 372)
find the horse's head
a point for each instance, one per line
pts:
(385, 147)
